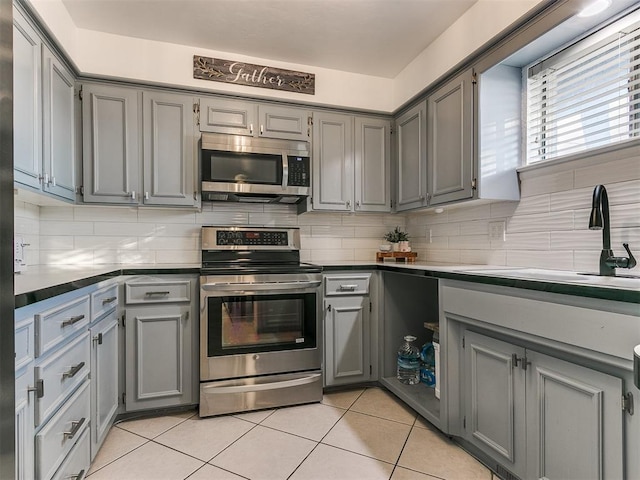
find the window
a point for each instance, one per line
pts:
(587, 95)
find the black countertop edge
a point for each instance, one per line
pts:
(28, 298)
(24, 299)
(576, 290)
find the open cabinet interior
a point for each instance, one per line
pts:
(410, 302)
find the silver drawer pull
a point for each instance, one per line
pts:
(73, 370)
(347, 288)
(75, 426)
(108, 300)
(98, 339)
(72, 320)
(78, 476)
(149, 294)
(39, 389)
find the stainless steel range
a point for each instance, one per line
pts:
(259, 321)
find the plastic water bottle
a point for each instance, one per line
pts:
(428, 365)
(408, 362)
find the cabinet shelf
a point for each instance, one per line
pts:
(419, 397)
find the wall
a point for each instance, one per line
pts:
(548, 227)
(106, 235)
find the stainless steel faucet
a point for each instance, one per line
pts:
(599, 220)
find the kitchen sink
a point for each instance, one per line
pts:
(561, 276)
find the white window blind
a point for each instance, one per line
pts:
(586, 96)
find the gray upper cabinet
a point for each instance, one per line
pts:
(111, 144)
(246, 118)
(372, 166)
(59, 154)
(450, 141)
(351, 163)
(227, 116)
(332, 162)
(169, 150)
(411, 158)
(27, 122)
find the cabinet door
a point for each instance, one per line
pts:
(24, 426)
(58, 127)
(332, 162)
(169, 150)
(574, 421)
(495, 403)
(372, 165)
(111, 145)
(158, 356)
(228, 116)
(450, 141)
(347, 350)
(27, 138)
(411, 155)
(104, 378)
(284, 122)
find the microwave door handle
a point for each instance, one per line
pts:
(285, 170)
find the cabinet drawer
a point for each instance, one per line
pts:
(61, 433)
(77, 463)
(157, 291)
(346, 284)
(103, 301)
(24, 339)
(60, 374)
(59, 323)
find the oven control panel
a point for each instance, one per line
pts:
(252, 238)
(216, 238)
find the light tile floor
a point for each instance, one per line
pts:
(361, 434)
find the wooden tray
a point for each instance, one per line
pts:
(399, 256)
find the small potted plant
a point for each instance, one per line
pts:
(399, 239)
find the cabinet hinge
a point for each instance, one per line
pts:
(196, 111)
(124, 398)
(627, 403)
(474, 184)
(370, 369)
(464, 423)
(124, 318)
(370, 307)
(462, 342)
(391, 130)
(80, 190)
(391, 203)
(474, 78)
(80, 93)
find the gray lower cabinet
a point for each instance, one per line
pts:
(104, 378)
(138, 147)
(450, 141)
(411, 158)
(351, 167)
(347, 329)
(540, 416)
(161, 348)
(24, 399)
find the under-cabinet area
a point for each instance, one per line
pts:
(410, 307)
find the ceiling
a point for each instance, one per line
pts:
(371, 37)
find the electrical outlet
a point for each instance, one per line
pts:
(497, 231)
(18, 254)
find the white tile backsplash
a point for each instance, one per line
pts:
(547, 228)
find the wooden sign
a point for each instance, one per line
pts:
(241, 73)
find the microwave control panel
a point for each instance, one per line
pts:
(298, 171)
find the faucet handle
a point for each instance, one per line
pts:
(632, 260)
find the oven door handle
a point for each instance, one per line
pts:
(261, 286)
(212, 389)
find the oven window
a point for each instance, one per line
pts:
(260, 323)
(238, 167)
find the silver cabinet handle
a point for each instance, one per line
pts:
(98, 339)
(78, 476)
(39, 389)
(150, 294)
(146, 195)
(261, 129)
(348, 204)
(357, 204)
(72, 320)
(133, 195)
(251, 128)
(53, 181)
(75, 426)
(108, 300)
(347, 288)
(73, 370)
(46, 180)
(241, 287)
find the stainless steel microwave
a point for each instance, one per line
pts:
(237, 168)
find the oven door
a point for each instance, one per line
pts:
(251, 328)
